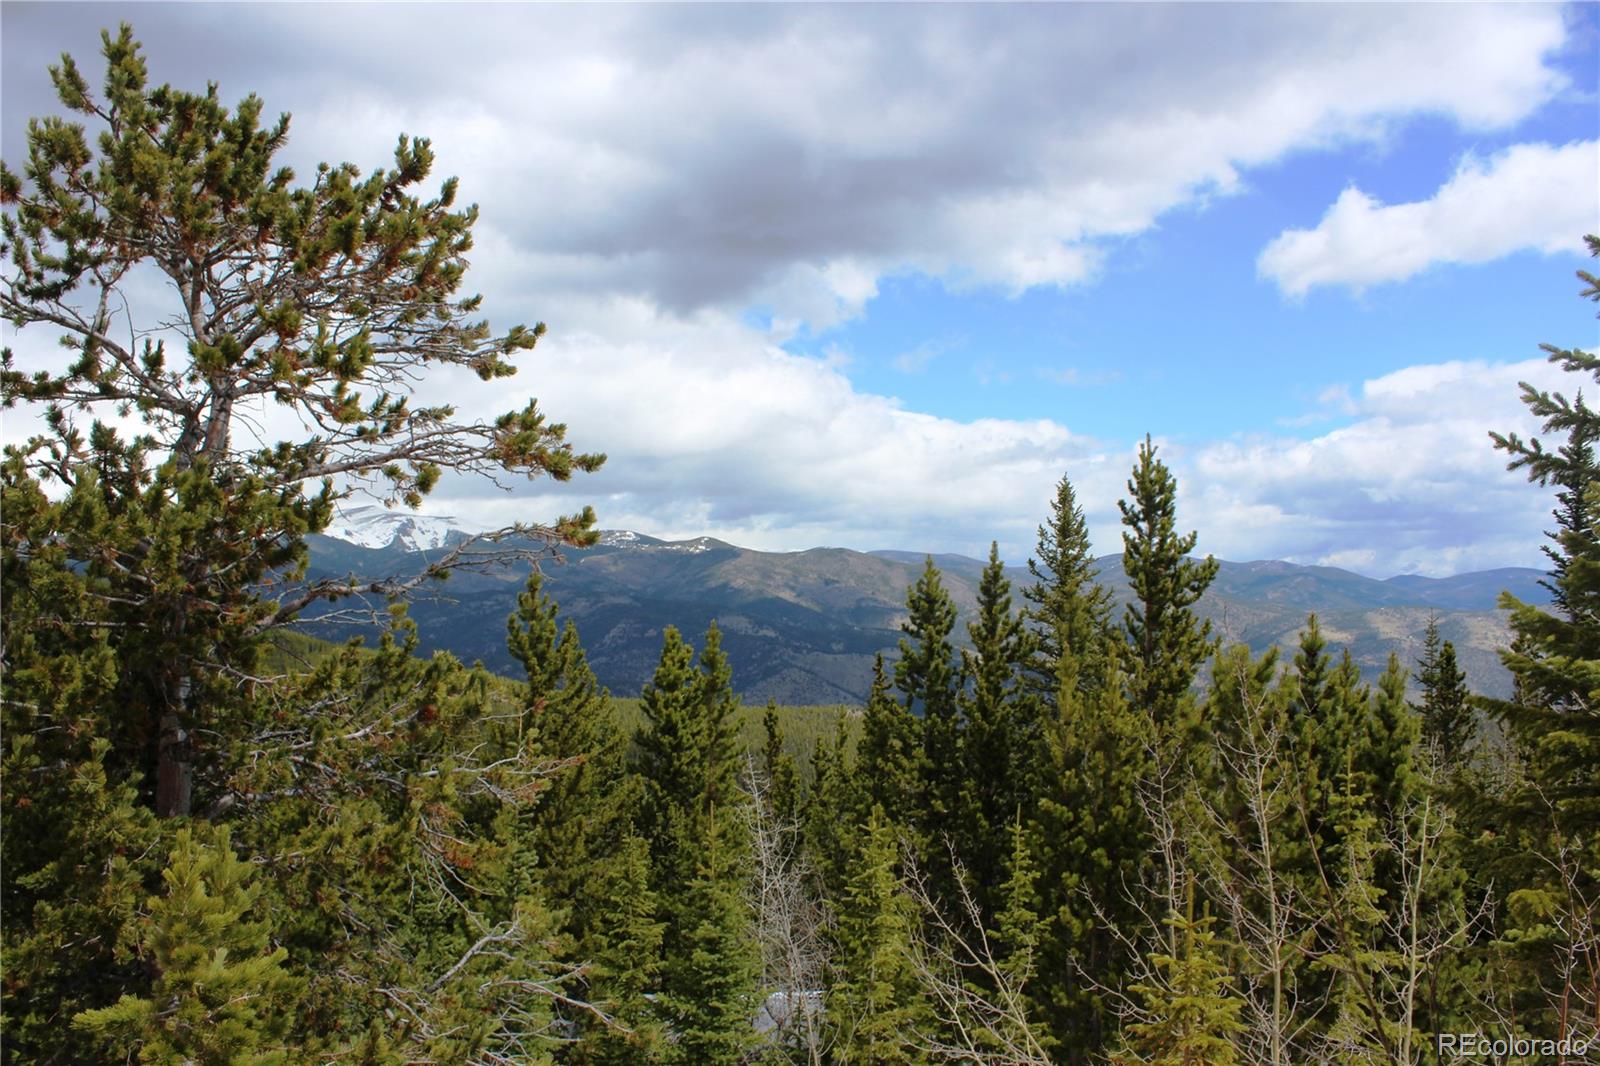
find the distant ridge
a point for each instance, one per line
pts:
(804, 627)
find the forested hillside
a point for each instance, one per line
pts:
(1062, 827)
(804, 627)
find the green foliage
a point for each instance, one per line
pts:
(220, 996)
(997, 731)
(708, 980)
(622, 950)
(886, 761)
(687, 753)
(1546, 820)
(1169, 641)
(1064, 597)
(831, 820)
(1091, 842)
(930, 680)
(328, 299)
(876, 1003)
(1448, 720)
(1190, 1014)
(783, 776)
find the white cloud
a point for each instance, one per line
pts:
(1534, 196)
(1412, 484)
(713, 430)
(792, 156)
(649, 174)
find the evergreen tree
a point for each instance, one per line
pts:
(887, 757)
(623, 954)
(388, 835)
(1359, 1031)
(686, 756)
(583, 813)
(930, 682)
(832, 806)
(994, 737)
(80, 844)
(1091, 842)
(708, 978)
(1575, 515)
(1393, 733)
(1190, 1009)
(783, 777)
(334, 297)
(1448, 722)
(876, 1003)
(1169, 642)
(577, 842)
(1017, 924)
(220, 997)
(1064, 597)
(672, 761)
(1544, 826)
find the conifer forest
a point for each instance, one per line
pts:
(1075, 833)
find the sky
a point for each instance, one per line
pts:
(877, 276)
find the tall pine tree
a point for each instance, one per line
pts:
(687, 754)
(995, 735)
(1548, 821)
(930, 681)
(1448, 718)
(1168, 640)
(1064, 597)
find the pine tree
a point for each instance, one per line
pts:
(1190, 1009)
(783, 777)
(623, 955)
(335, 296)
(1091, 840)
(686, 756)
(80, 843)
(672, 761)
(1168, 640)
(1448, 722)
(219, 995)
(1017, 924)
(994, 736)
(1065, 597)
(1545, 825)
(582, 814)
(930, 682)
(708, 978)
(875, 1003)
(1393, 734)
(831, 807)
(1575, 515)
(577, 843)
(1359, 1032)
(887, 757)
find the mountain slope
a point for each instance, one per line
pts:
(803, 627)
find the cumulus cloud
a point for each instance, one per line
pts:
(793, 155)
(1411, 484)
(648, 175)
(1536, 196)
(713, 429)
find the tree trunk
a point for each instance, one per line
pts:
(174, 768)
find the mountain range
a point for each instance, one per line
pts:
(803, 627)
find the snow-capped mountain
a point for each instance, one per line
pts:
(372, 526)
(623, 538)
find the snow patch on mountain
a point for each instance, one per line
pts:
(623, 538)
(379, 527)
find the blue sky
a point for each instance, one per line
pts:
(876, 276)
